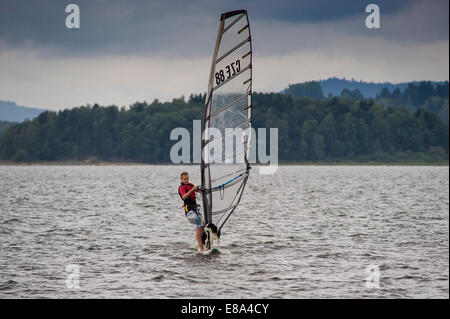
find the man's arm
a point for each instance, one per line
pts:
(185, 196)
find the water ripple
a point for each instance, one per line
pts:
(305, 232)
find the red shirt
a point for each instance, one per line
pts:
(184, 188)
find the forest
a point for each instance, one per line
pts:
(431, 96)
(424, 95)
(336, 129)
(3, 126)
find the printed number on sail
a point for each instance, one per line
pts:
(230, 70)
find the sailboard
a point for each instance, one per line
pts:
(227, 120)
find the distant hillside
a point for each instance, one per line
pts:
(11, 112)
(334, 86)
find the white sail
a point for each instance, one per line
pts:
(227, 119)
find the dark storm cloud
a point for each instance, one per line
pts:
(175, 27)
(320, 10)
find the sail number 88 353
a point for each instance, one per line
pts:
(230, 70)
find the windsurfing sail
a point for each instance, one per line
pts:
(227, 120)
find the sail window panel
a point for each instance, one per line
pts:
(222, 108)
(241, 51)
(228, 21)
(231, 117)
(233, 35)
(246, 126)
(231, 91)
(228, 147)
(232, 178)
(224, 200)
(223, 173)
(220, 154)
(227, 175)
(228, 151)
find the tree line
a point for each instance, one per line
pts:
(3, 126)
(328, 129)
(426, 95)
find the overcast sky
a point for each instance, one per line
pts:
(139, 50)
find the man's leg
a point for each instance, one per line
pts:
(199, 234)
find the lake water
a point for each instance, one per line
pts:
(304, 232)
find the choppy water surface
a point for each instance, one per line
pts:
(305, 232)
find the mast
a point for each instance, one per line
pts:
(207, 198)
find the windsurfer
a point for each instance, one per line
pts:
(192, 211)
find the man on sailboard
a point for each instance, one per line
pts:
(192, 211)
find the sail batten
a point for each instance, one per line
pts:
(232, 50)
(227, 119)
(228, 105)
(232, 23)
(228, 132)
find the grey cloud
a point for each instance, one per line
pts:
(187, 28)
